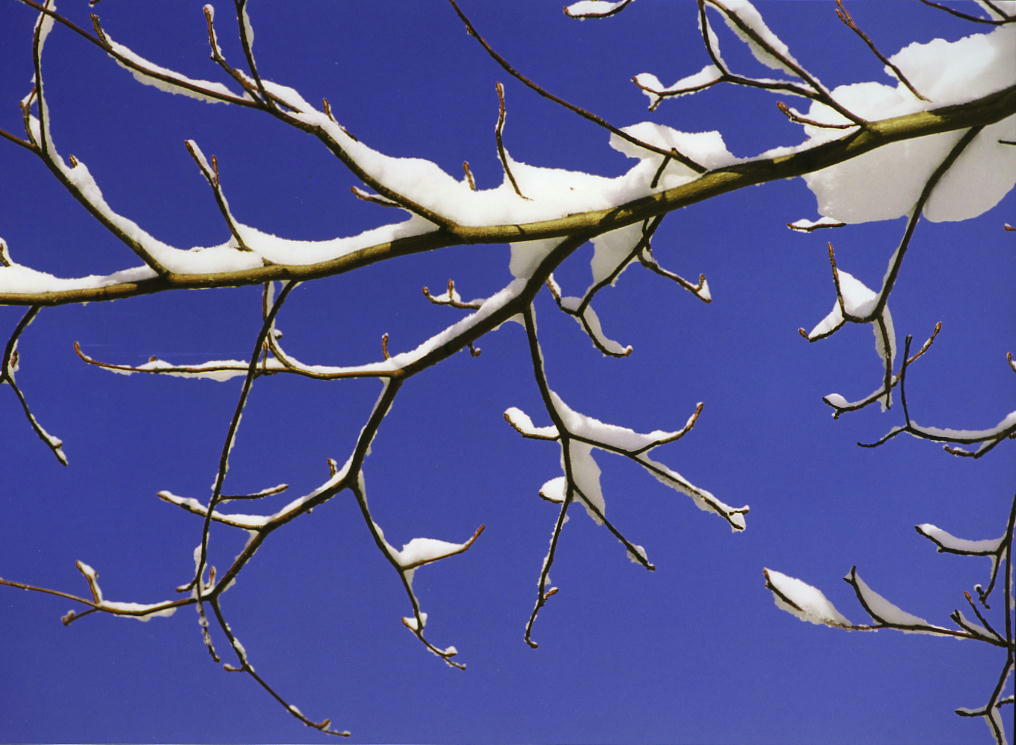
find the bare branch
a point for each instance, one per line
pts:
(8, 366)
(501, 154)
(848, 20)
(966, 16)
(560, 101)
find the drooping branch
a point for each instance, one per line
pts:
(9, 365)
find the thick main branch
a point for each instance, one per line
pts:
(980, 112)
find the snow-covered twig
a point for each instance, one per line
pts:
(809, 604)
(841, 406)
(595, 8)
(987, 438)
(452, 298)
(577, 436)
(416, 553)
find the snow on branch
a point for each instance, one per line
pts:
(577, 436)
(810, 604)
(840, 405)
(985, 439)
(803, 600)
(947, 121)
(413, 555)
(856, 303)
(595, 8)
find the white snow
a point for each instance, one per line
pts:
(527, 255)
(806, 225)
(947, 433)
(174, 83)
(592, 8)
(592, 326)
(555, 489)
(217, 370)
(280, 250)
(974, 627)
(586, 477)
(247, 522)
(92, 577)
(881, 609)
(641, 551)
(613, 248)
(412, 624)
(803, 600)
(858, 301)
(656, 91)
(705, 148)
(420, 551)
(949, 543)
(947, 73)
(130, 610)
(603, 434)
(521, 421)
(748, 14)
(704, 500)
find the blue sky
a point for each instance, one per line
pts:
(694, 652)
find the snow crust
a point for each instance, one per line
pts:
(803, 600)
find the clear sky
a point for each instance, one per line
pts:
(695, 652)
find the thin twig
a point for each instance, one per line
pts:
(966, 16)
(507, 67)
(501, 154)
(848, 20)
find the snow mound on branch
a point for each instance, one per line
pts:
(886, 183)
(803, 600)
